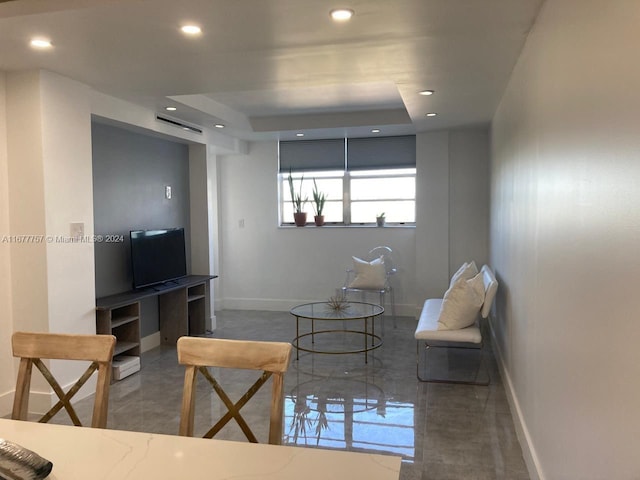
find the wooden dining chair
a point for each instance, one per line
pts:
(198, 353)
(32, 348)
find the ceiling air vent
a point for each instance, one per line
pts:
(178, 123)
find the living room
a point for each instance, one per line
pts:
(560, 159)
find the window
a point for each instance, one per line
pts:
(392, 192)
(331, 183)
(361, 178)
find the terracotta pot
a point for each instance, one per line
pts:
(300, 218)
(319, 219)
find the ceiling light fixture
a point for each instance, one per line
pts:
(375, 130)
(170, 109)
(299, 134)
(219, 125)
(342, 14)
(40, 43)
(191, 29)
(431, 114)
(426, 92)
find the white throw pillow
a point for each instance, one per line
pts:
(369, 275)
(461, 304)
(467, 270)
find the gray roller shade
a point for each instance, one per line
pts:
(312, 155)
(381, 152)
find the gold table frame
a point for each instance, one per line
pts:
(321, 311)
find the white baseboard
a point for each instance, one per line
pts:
(281, 305)
(149, 342)
(522, 431)
(41, 402)
(6, 403)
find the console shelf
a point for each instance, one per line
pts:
(127, 347)
(124, 323)
(182, 306)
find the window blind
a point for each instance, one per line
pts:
(374, 153)
(312, 155)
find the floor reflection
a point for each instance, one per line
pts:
(350, 423)
(347, 413)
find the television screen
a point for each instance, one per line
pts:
(157, 256)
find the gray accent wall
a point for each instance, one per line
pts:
(130, 173)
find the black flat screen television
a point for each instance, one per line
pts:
(157, 256)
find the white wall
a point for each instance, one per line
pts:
(7, 382)
(266, 267)
(452, 224)
(432, 215)
(468, 197)
(68, 197)
(49, 174)
(204, 220)
(565, 240)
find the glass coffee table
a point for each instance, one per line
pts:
(351, 311)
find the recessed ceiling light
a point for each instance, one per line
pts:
(299, 134)
(40, 43)
(170, 109)
(342, 14)
(426, 92)
(191, 29)
(219, 125)
(375, 130)
(431, 114)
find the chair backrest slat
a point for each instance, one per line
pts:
(60, 346)
(247, 355)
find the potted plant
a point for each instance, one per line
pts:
(380, 219)
(318, 204)
(299, 217)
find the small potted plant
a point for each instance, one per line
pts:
(318, 204)
(299, 217)
(380, 219)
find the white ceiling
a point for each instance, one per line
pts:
(271, 68)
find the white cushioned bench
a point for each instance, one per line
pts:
(428, 326)
(427, 331)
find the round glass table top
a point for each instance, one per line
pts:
(350, 311)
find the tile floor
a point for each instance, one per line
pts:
(442, 431)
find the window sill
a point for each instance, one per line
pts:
(353, 225)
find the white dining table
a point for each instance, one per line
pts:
(81, 453)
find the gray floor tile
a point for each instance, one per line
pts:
(337, 401)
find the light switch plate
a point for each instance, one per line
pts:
(76, 229)
(167, 192)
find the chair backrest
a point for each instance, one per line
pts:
(198, 353)
(490, 289)
(31, 348)
(387, 254)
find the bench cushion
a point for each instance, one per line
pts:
(428, 326)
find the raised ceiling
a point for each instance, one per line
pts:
(272, 68)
